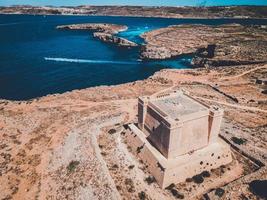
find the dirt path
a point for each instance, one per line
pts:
(233, 105)
(244, 73)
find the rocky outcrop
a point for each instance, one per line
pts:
(109, 38)
(104, 32)
(154, 52)
(98, 27)
(174, 41)
(241, 50)
(223, 45)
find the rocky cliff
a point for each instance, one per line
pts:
(109, 38)
(104, 32)
(231, 44)
(98, 27)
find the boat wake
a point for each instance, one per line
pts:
(91, 61)
(9, 24)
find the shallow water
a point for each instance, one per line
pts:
(36, 59)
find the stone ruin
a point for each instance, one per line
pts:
(177, 137)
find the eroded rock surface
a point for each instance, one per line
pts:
(97, 27)
(109, 38)
(104, 32)
(231, 44)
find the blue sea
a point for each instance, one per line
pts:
(36, 59)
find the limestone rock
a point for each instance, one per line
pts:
(109, 38)
(153, 52)
(98, 27)
(223, 45)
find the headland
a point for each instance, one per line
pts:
(72, 145)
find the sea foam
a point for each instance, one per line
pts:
(14, 23)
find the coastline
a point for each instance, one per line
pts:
(210, 12)
(135, 16)
(79, 122)
(169, 42)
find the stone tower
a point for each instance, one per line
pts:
(178, 137)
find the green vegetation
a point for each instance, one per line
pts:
(142, 195)
(219, 192)
(72, 166)
(150, 180)
(238, 141)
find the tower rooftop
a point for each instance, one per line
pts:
(178, 106)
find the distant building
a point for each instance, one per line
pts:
(177, 137)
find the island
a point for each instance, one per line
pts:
(97, 27)
(104, 32)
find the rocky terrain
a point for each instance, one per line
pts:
(170, 12)
(231, 44)
(71, 145)
(109, 38)
(104, 32)
(97, 27)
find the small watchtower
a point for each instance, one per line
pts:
(177, 137)
(177, 124)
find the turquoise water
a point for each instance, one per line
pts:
(36, 59)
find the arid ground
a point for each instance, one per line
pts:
(71, 145)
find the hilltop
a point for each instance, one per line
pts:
(142, 11)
